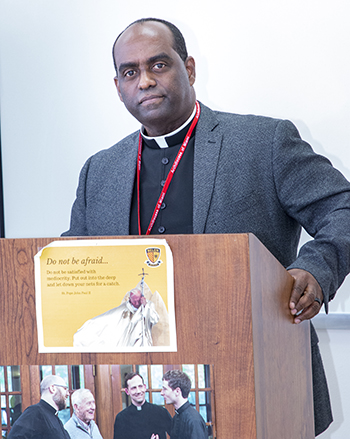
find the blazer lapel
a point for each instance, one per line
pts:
(207, 148)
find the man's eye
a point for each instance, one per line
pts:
(129, 73)
(159, 66)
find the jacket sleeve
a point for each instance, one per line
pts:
(317, 195)
(78, 226)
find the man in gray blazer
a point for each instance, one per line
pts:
(228, 173)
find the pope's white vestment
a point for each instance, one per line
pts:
(124, 326)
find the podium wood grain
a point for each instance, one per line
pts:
(231, 304)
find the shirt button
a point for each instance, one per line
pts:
(163, 206)
(162, 183)
(161, 229)
(165, 161)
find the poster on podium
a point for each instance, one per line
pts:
(109, 295)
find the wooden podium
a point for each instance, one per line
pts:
(231, 305)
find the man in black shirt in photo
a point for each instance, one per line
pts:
(141, 420)
(187, 422)
(40, 421)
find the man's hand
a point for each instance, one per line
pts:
(306, 298)
(154, 436)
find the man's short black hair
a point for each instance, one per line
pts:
(130, 376)
(178, 379)
(179, 41)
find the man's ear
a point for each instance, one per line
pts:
(116, 82)
(190, 65)
(52, 389)
(126, 391)
(178, 391)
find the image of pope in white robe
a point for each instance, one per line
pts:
(128, 325)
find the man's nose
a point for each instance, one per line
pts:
(146, 80)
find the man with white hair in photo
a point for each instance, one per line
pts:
(40, 421)
(82, 425)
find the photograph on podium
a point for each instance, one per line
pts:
(106, 400)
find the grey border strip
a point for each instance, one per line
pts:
(332, 321)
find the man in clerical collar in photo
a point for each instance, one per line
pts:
(81, 425)
(187, 422)
(141, 420)
(40, 421)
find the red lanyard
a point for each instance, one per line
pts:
(170, 174)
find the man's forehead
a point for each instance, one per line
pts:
(60, 381)
(135, 381)
(140, 35)
(136, 292)
(150, 29)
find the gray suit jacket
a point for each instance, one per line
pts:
(251, 174)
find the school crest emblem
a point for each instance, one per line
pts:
(153, 256)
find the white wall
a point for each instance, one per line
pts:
(287, 59)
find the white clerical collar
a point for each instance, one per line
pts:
(161, 140)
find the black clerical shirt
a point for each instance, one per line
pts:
(176, 214)
(38, 421)
(188, 424)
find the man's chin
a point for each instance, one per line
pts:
(151, 112)
(152, 103)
